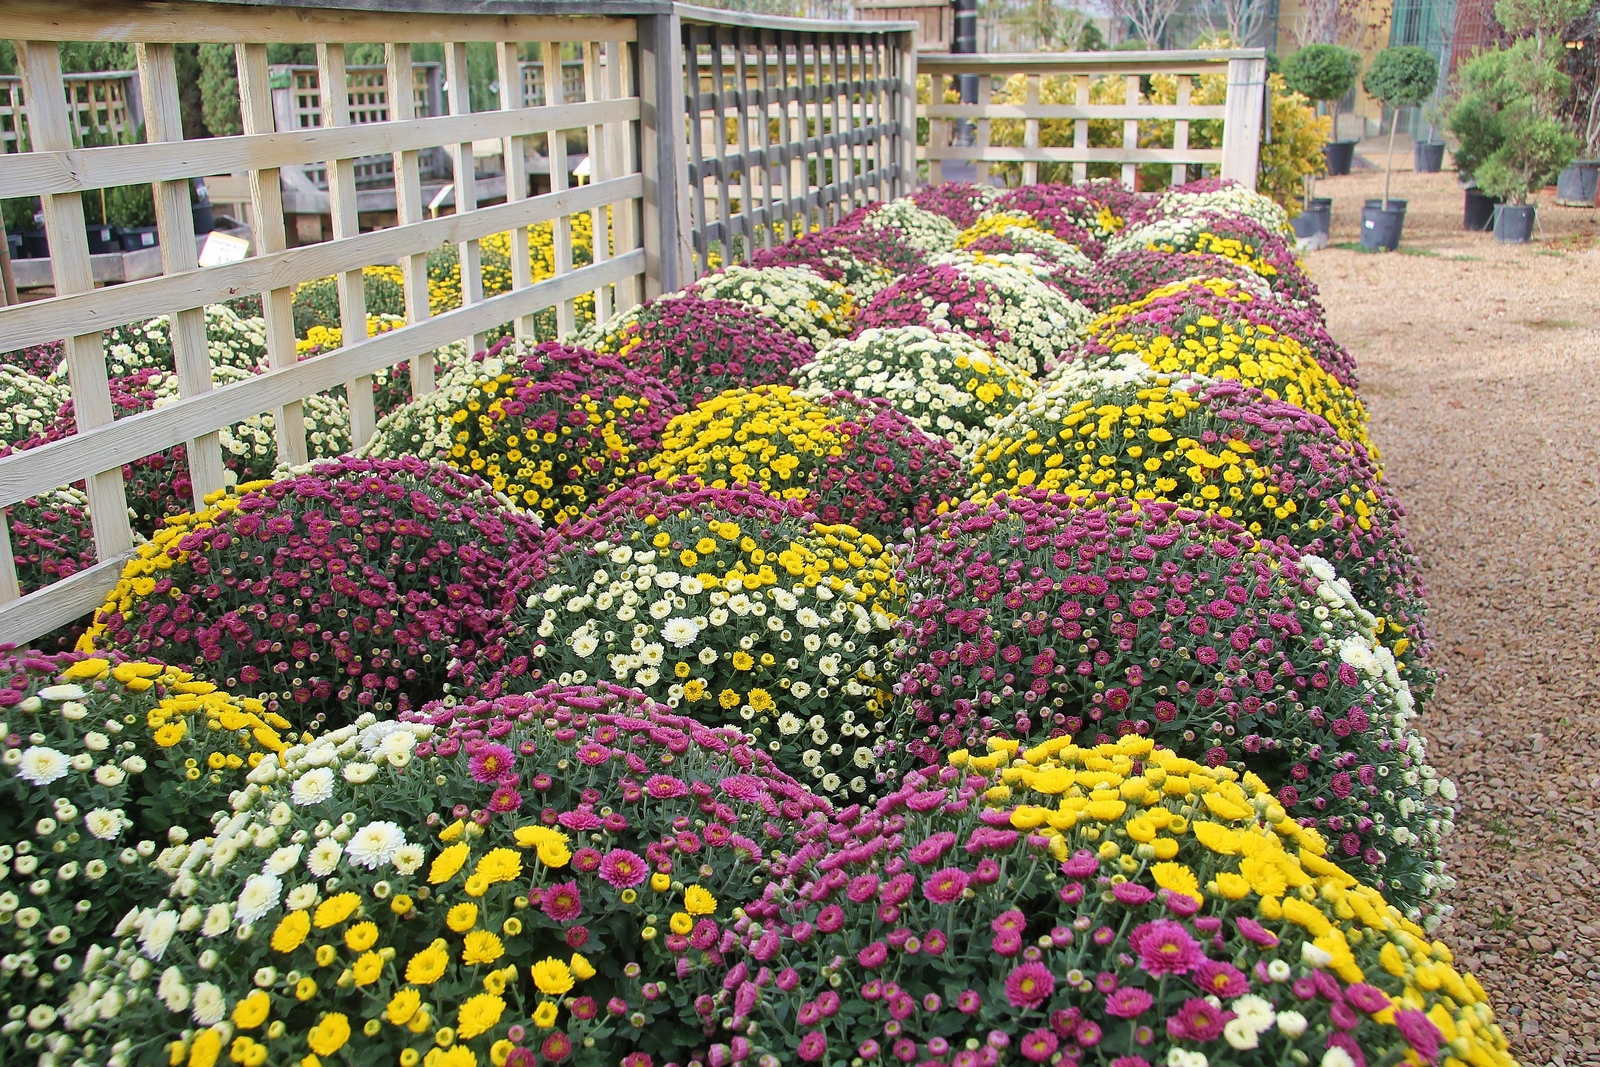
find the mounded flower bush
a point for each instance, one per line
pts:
(28, 404)
(1222, 448)
(234, 341)
(944, 381)
(960, 202)
(734, 608)
(430, 886)
(928, 232)
(99, 763)
(1222, 313)
(51, 537)
(1015, 232)
(1233, 236)
(1032, 618)
(852, 459)
(1205, 328)
(1226, 196)
(1008, 310)
(551, 426)
(697, 347)
(837, 254)
(1116, 905)
(797, 298)
(1123, 277)
(1069, 212)
(348, 585)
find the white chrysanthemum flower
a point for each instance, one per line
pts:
(407, 858)
(217, 921)
(375, 844)
(313, 787)
(157, 934)
(41, 765)
(283, 860)
(106, 823)
(172, 991)
(680, 632)
(110, 775)
(209, 1004)
(259, 896)
(1291, 1023)
(324, 858)
(301, 897)
(359, 773)
(584, 644)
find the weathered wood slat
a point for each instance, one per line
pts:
(109, 446)
(1117, 112)
(79, 169)
(43, 320)
(999, 154)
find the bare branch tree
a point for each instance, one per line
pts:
(1324, 22)
(1150, 17)
(1240, 20)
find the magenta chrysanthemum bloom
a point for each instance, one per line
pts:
(1130, 1061)
(1131, 894)
(1223, 979)
(562, 902)
(1165, 947)
(873, 956)
(1038, 1045)
(969, 1001)
(1251, 930)
(492, 763)
(1128, 1003)
(1419, 1032)
(1369, 999)
(1029, 985)
(945, 886)
(506, 798)
(623, 869)
(1198, 1020)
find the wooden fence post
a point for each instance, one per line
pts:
(50, 128)
(1241, 130)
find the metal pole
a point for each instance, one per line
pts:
(966, 43)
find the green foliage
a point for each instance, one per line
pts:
(1483, 90)
(1090, 39)
(1321, 71)
(1403, 76)
(219, 90)
(1535, 149)
(317, 303)
(18, 213)
(1538, 17)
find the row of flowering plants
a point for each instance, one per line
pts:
(978, 631)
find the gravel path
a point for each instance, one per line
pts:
(1480, 365)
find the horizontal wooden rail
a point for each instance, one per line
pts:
(1176, 61)
(100, 309)
(25, 474)
(81, 169)
(59, 604)
(1006, 154)
(1118, 112)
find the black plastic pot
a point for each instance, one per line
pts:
(102, 238)
(1578, 183)
(1339, 155)
(14, 245)
(1428, 156)
(1394, 204)
(137, 237)
(1513, 224)
(1477, 215)
(35, 245)
(1380, 227)
(1314, 221)
(205, 218)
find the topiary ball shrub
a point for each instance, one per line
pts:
(945, 382)
(735, 607)
(553, 427)
(1224, 448)
(1234, 236)
(1220, 330)
(1123, 277)
(1009, 310)
(960, 202)
(1033, 617)
(348, 585)
(697, 348)
(797, 298)
(1114, 905)
(487, 875)
(853, 460)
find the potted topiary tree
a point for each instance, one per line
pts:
(1536, 148)
(1402, 76)
(1482, 92)
(1427, 155)
(1325, 73)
